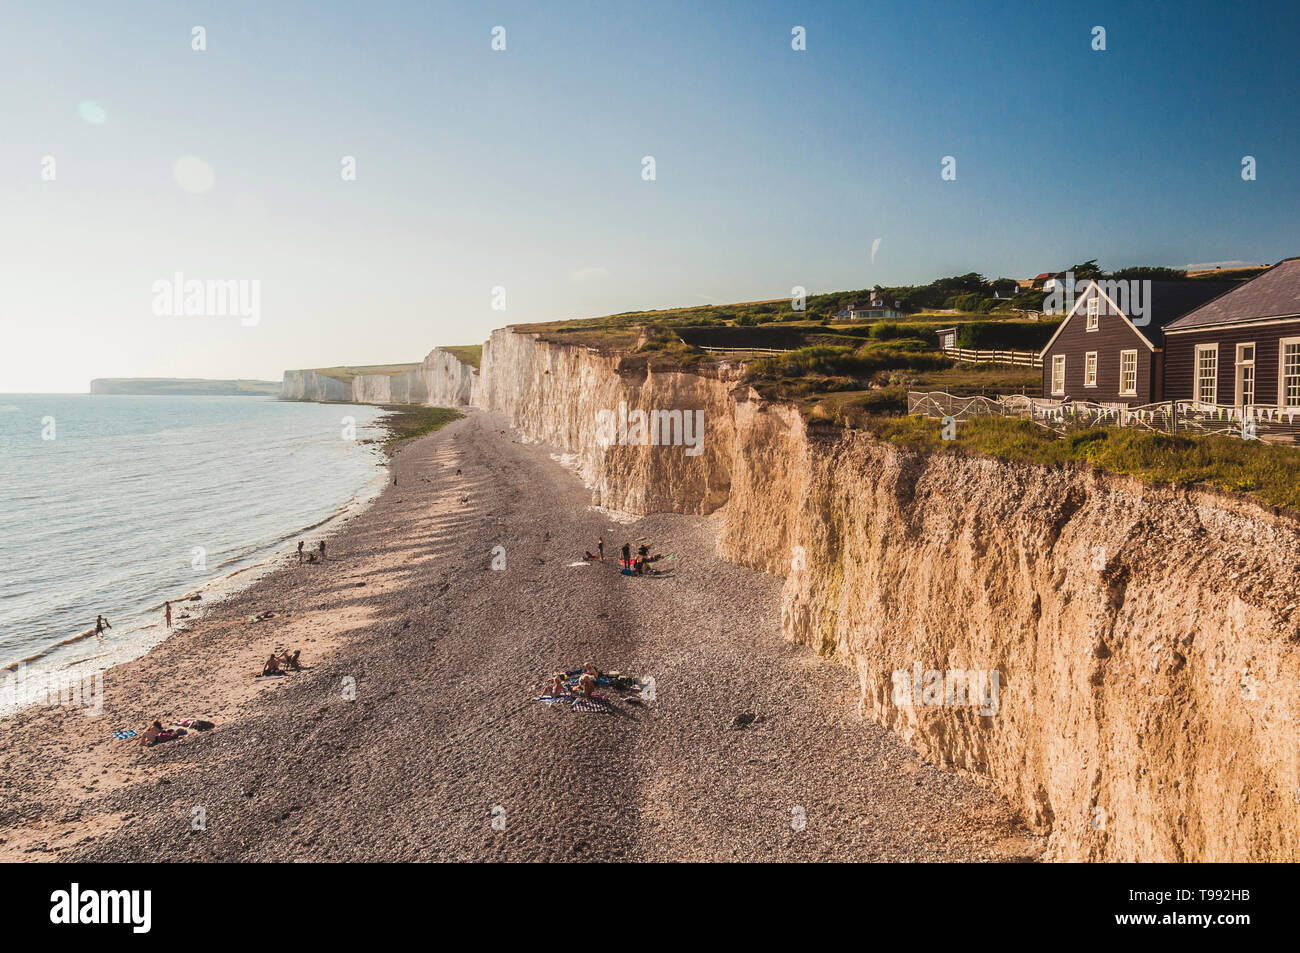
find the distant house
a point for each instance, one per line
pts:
(1243, 348)
(879, 305)
(1102, 354)
(1044, 282)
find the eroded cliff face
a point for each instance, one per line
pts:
(407, 388)
(448, 382)
(1144, 639)
(586, 403)
(308, 385)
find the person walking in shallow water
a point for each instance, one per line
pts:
(299, 552)
(100, 625)
(167, 614)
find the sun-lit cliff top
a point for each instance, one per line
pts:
(348, 372)
(471, 354)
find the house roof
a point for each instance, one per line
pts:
(1168, 301)
(1274, 294)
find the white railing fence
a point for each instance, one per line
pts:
(1171, 416)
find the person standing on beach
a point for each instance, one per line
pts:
(300, 552)
(600, 546)
(322, 550)
(100, 625)
(167, 613)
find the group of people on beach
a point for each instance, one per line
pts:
(282, 663)
(636, 566)
(629, 564)
(102, 624)
(586, 682)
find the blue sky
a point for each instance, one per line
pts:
(522, 168)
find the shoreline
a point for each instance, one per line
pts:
(25, 681)
(442, 657)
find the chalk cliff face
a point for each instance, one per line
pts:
(1144, 639)
(440, 381)
(308, 385)
(447, 381)
(407, 388)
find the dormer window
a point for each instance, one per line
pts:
(1094, 310)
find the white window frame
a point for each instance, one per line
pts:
(1214, 381)
(1058, 360)
(1238, 391)
(1090, 369)
(1281, 372)
(1094, 311)
(1128, 391)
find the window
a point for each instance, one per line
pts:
(1128, 373)
(1207, 373)
(1094, 309)
(1288, 381)
(1090, 369)
(1058, 374)
(1245, 390)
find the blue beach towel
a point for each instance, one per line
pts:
(124, 734)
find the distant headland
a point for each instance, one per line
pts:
(183, 386)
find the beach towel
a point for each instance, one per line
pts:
(262, 678)
(593, 705)
(579, 564)
(124, 734)
(554, 699)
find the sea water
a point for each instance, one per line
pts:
(114, 504)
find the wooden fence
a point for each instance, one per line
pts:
(974, 356)
(743, 350)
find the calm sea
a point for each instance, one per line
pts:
(113, 504)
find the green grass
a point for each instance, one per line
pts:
(471, 354)
(1265, 472)
(347, 372)
(857, 375)
(406, 421)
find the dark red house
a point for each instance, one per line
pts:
(1242, 349)
(1110, 347)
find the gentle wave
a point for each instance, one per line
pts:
(143, 500)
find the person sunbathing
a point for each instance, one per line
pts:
(272, 666)
(557, 686)
(586, 683)
(290, 662)
(156, 733)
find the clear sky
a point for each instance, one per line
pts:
(523, 168)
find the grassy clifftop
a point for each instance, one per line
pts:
(471, 354)
(348, 372)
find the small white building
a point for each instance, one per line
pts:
(879, 305)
